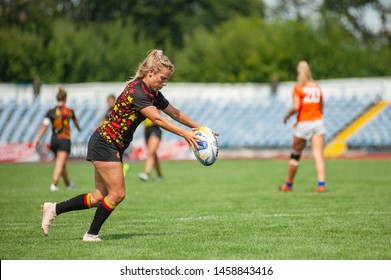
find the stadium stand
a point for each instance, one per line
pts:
(10, 123)
(31, 130)
(375, 135)
(339, 112)
(254, 121)
(252, 124)
(25, 121)
(6, 111)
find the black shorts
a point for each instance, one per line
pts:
(101, 150)
(152, 131)
(57, 144)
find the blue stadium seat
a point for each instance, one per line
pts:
(5, 115)
(32, 130)
(252, 123)
(25, 122)
(13, 121)
(376, 133)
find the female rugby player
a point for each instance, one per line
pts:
(307, 105)
(140, 99)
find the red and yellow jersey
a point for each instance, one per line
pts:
(59, 117)
(120, 126)
(311, 98)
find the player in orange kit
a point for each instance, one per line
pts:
(308, 105)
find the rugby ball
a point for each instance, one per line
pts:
(208, 148)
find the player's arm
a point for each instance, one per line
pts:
(180, 116)
(295, 108)
(42, 131)
(153, 114)
(75, 120)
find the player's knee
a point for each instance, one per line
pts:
(295, 158)
(118, 197)
(96, 199)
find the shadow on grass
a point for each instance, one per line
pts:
(131, 235)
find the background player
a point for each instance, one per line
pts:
(308, 105)
(60, 143)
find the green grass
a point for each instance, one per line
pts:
(229, 211)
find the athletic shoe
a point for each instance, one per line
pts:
(53, 187)
(126, 168)
(48, 215)
(159, 178)
(143, 176)
(71, 186)
(321, 189)
(91, 237)
(285, 188)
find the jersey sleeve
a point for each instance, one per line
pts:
(48, 117)
(161, 101)
(296, 91)
(49, 114)
(46, 121)
(141, 100)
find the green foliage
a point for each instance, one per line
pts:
(21, 54)
(231, 210)
(96, 52)
(240, 50)
(208, 41)
(252, 50)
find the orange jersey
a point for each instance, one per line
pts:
(311, 98)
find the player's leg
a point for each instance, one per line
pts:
(50, 210)
(65, 176)
(298, 146)
(152, 144)
(61, 158)
(158, 169)
(109, 180)
(317, 144)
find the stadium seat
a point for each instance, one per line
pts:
(25, 122)
(248, 123)
(5, 115)
(14, 118)
(375, 134)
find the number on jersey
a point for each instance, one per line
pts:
(312, 94)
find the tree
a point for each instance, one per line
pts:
(22, 55)
(353, 14)
(32, 16)
(163, 20)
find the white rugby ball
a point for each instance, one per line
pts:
(208, 148)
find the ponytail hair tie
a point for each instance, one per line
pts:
(159, 53)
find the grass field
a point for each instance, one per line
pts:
(229, 211)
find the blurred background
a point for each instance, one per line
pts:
(235, 66)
